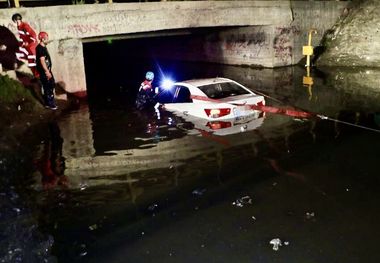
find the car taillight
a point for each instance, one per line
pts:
(216, 113)
(215, 125)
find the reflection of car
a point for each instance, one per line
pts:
(227, 127)
(212, 99)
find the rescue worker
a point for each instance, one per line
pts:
(44, 70)
(27, 43)
(146, 95)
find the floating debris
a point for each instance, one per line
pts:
(93, 227)
(276, 242)
(199, 192)
(83, 186)
(152, 207)
(310, 215)
(240, 202)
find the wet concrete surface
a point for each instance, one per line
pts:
(105, 183)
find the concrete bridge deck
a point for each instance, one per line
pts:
(276, 27)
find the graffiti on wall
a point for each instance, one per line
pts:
(117, 20)
(283, 42)
(82, 29)
(69, 48)
(247, 43)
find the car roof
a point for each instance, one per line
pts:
(202, 82)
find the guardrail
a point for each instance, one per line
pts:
(32, 3)
(36, 3)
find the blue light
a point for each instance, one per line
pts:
(167, 84)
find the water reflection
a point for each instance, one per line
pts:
(110, 146)
(145, 146)
(51, 162)
(135, 179)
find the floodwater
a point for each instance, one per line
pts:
(106, 183)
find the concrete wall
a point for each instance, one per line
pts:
(275, 45)
(270, 44)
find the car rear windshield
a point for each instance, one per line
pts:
(222, 90)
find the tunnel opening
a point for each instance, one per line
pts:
(114, 71)
(115, 68)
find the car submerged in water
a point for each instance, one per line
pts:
(213, 103)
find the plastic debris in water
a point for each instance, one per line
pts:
(240, 202)
(310, 215)
(83, 186)
(153, 207)
(93, 227)
(276, 242)
(198, 192)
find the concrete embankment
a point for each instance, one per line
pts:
(355, 39)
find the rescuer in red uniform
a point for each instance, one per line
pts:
(145, 96)
(28, 43)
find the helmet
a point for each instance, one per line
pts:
(16, 17)
(149, 75)
(42, 35)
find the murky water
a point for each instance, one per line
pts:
(110, 184)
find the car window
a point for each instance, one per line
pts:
(222, 90)
(182, 95)
(177, 94)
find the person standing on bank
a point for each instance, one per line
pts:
(44, 69)
(27, 44)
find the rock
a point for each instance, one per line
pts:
(355, 39)
(11, 74)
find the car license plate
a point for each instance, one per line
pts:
(237, 112)
(241, 118)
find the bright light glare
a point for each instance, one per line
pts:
(167, 84)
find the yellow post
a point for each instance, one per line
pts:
(308, 82)
(308, 50)
(110, 1)
(17, 3)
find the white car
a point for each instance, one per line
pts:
(213, 99)
(226, 127)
